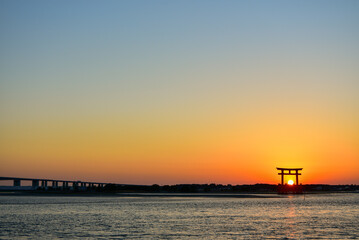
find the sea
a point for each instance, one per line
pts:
(309, 216)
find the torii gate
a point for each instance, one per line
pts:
(282, 173)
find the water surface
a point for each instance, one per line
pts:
(328, 216)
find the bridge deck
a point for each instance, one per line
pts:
(58, 180)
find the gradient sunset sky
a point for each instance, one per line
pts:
(170, 92)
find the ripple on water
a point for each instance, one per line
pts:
(318, 216)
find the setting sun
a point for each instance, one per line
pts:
(290, 182)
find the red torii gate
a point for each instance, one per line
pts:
(289, 172)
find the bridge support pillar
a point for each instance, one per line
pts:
(44, 183)
(35, 183)
(17, 183)
(55, 184)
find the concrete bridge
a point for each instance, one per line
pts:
(53, 183)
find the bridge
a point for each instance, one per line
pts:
(54, 183)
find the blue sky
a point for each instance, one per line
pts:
(173, 67)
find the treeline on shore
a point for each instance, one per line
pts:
(219, 188)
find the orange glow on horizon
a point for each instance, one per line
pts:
(146, 149)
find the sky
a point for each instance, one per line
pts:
(170, 92)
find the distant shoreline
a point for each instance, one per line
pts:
(102, 194)
(159, 195)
